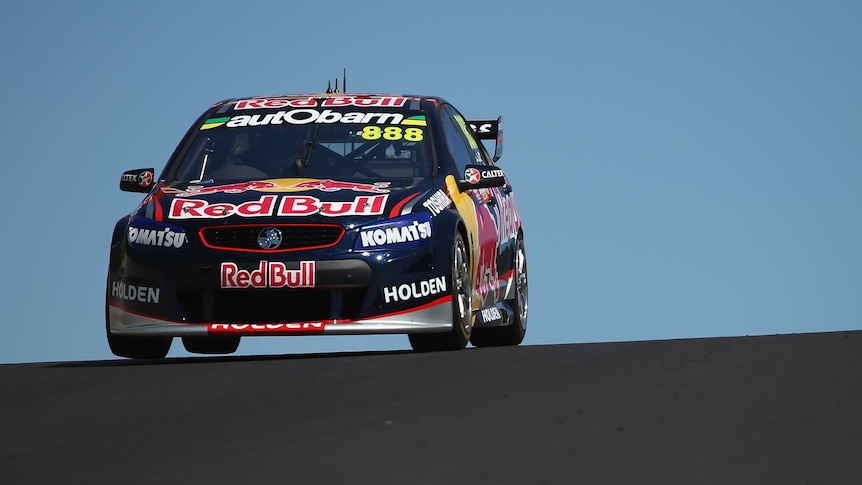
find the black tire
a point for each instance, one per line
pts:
(140, 347)
(512, 334)
(211, 345)
(136, 347)
(462, 315)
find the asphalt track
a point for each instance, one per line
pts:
(775, 409)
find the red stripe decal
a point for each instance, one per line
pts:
(157, 213)
(396, 211)
(438, 301)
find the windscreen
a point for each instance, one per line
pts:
(367, 139)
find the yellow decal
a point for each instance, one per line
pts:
(467, 208)
(391, 133)
(418, 120)
(466, 130)
(214, 122)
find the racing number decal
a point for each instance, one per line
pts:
(391, 133)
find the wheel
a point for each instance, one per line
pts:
(512, 334)
(211, 345)
(136, 347)
(462, 315)
(140, 347)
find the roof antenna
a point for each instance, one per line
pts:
(336, 85)
(328, 87)
(344, 83)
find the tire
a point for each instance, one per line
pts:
(211, 345)
(512, 334)
(462, 315)
(136, 347)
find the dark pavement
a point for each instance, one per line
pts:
(775, 409)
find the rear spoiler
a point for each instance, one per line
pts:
(489, 130)
(485, 129)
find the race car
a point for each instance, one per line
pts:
(321, 214)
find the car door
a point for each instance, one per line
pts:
(500, 202)
(481, 212)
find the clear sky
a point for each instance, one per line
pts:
(683, 168)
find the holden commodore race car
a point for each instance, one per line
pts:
(321, 214)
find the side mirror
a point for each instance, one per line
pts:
(490, 130)
(482, 177)
(139, 180)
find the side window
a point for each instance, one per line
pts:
(462, 146)
(473, 144)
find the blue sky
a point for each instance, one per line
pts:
(684, 169)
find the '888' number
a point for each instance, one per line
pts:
(391, 133)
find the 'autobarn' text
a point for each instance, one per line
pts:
(305, 116)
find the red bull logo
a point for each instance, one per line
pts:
(329, 185)
(238, 188)
(280, 185)
(268, 274)
(286, 206)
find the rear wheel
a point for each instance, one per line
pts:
(136, 347)
(211, 345)
(462, 315)
(512, 334)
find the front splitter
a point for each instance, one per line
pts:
(433, 317)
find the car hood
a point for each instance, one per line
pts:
(284, 201)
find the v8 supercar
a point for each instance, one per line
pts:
(321, 214)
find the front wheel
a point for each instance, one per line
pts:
(211, 345)
(139, 347)
(136, 347)
(462, 315)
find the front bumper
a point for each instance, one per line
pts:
(435, 316)
(308, 292)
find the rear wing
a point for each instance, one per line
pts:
(490, 130)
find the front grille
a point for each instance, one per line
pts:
(271, 306)
(295, 236)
